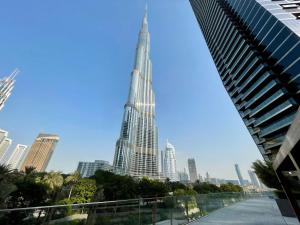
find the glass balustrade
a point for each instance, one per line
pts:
(171, 210)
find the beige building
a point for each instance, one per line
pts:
(41, 151)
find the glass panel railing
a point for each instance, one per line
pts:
(169, 210)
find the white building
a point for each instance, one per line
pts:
(6, 87)
(5, 143)
(136, 152)
(17, 157)
(170, 162)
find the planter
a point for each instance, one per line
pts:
(285, 208)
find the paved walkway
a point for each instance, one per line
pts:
(251, 212)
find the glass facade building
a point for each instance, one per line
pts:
(192, 170)
(17, 157)
(6, 87)
(87, 169)
(169, 164)
(136, 151)
(255, 45)
(239, 174)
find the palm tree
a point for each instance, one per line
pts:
(54, 180)
(6, 183)
(72, 180)
(266, 173)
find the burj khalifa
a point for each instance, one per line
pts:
(136, 152)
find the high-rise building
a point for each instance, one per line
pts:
(17, 157)
(3, 143)
(183, 177)
(4, 146)
(253, 178)
(40, 152)
(170, 162)
(239, 174)
(255, 45)
(87, 169)
(207, 179)
(6, 87)
(136, 151)
(162, 162)
(192, 170)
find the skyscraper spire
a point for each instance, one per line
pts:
(136, 151)
(6, 87)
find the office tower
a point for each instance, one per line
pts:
(255, 45)
(4, 146)
(183, 177)
(207, 179)
(136, 151)
(17, 157)
(6, 87)
(238, 173)
(87, 169)
(170, 162)
(253, 178)
(40, 152)
(162, 162)
(192, 170)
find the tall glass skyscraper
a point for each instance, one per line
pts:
(255, 45)
(239, 174)
(136, 151)
(192, 170)
(17, 157)
(6, 87)
(169, 165)
(5, 143)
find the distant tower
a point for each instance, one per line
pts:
(170, 162)
(136, 152)
(162, 162)
(207, 177)
(238, 172)
(6, 87)
(253, 178)
(192, 170)
(40, 152)
(17, 157)
(5, 143)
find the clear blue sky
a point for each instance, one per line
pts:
(76, 58)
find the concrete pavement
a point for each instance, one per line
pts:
(251, 212)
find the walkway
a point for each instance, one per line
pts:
(251, 212)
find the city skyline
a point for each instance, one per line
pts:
(51, 116)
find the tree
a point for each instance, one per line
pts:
(54, 181)
(205, 188)
(116, 187)
(72, 180)
(152, 188)
(230, 188)
(7, 186)
(266, 173)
